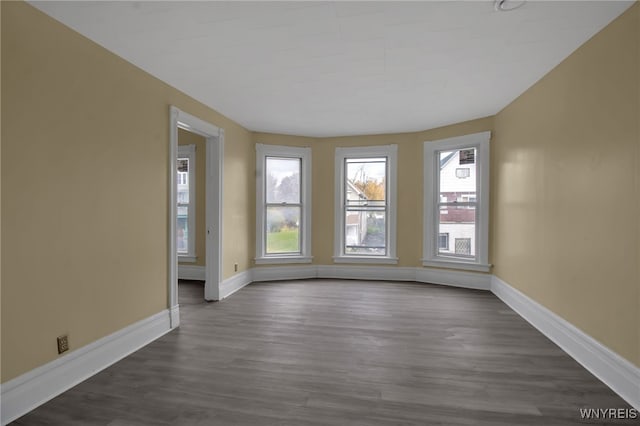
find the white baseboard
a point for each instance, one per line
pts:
(278, 273)
(366, 272)
(473, 280)
(613, 370)
(235, 283)
(191, 272)
(28, 391)
(174, 313)
(464, 279)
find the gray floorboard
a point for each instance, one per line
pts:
(339, 352)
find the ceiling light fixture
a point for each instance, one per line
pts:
(508, 5)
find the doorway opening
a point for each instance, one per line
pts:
(185, 236)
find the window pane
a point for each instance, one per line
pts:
(183, 180)
(443, 241)
(366, 181)
(458, 223)
(283, 229)
(283, 180)
(365, 232)
(182, 230)
(457, 175)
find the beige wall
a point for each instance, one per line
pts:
(637, 13)
(0, 193)
(239, 204)
(85, 180)
(410, 159)
(565, 210)
(188, 138)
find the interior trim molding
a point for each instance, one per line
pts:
(473, 280)
(34, 388)
(174, 314)
(235, 283)
(465, 279)
(613, 370)
(366, 272)
(280, 273)
(191, 272)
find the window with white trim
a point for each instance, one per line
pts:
(283, 204)
(456, 202)
(365, 216)
(186, 199)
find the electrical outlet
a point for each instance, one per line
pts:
(235, 267)
(63, 344)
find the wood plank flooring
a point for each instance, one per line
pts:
(338, 352)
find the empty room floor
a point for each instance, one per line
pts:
(339, 352)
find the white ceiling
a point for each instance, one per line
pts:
(342, 68)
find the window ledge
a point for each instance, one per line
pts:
(187, 259)
(457, 264)
(365, 259)
(282, 259)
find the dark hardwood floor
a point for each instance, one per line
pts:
(190, 293)
(332, 352)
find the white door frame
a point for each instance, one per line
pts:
(213, 188)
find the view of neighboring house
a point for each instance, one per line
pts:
(355, 221)
(457, 227)
(365, 206)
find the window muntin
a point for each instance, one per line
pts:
(456, 202)
(365, 204)
(283, 216)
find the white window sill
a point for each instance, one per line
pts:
(366, 259)
(457, 264)
(187, 259)
(282, 259)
